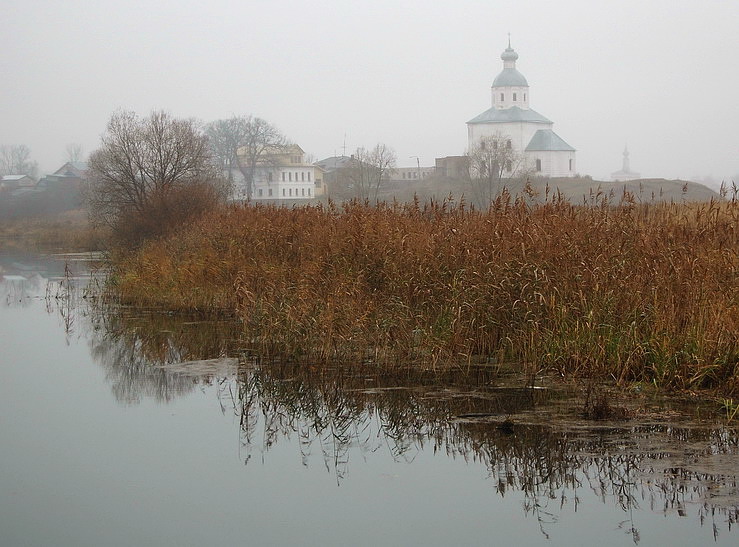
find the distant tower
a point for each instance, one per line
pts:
(625, 166)
(510, 87)
(625, 173)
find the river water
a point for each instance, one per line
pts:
(138, 427)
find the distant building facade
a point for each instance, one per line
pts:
(13, 182)
(453, 167)
(407, 174)
(70, 176)
(280, 173)
(528, 132)
(625, 173)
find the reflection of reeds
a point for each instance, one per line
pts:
(635, 292)
(334, 412)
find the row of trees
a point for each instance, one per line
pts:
(151, 173)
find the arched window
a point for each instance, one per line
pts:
(538, 165)
(514, 97)
(502, 97)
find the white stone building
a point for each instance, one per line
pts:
(530, 133)
(280, 173)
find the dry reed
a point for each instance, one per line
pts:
(646, 292)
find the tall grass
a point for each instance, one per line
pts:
(634, 292)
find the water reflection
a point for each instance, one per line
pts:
(531, 441)
(135, 350)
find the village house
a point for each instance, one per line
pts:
(70, 176)
(15, 182)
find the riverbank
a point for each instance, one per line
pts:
(634, 293)
(68, 232)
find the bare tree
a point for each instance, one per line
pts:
(224, 138)
(74, 152)
(370, 169)
(491, 161)
(246, 142)
(15, 159)
(150, 170)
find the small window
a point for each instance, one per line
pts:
(302, 192)
(308, 176)
(270, 192)
(283, 192)
(524, 97)
(508, 166)
(308, 192)
(508, 143)
(269, 176)
(283, 176)
(502, 97)
(514, 97)
(290, 176)
(570, 164)
(538, 165)
(290, 192)
(302, 177)
(260, 192)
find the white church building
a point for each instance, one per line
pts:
(544, 152)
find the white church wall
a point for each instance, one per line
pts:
(503, 97)
(553, 163)
(519, 133)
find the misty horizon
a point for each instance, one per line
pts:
(333, 77)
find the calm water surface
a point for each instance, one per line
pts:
(123, 427)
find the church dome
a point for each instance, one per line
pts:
(510, 77)
(509, 54)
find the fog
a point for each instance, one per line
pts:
(660, 76)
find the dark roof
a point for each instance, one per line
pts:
(335, 162)
(547, 140)
(512, 114)
(73, 168)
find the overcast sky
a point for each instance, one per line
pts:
(662, 76)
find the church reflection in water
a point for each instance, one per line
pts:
(532, 441)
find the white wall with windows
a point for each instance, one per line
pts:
(285, 182)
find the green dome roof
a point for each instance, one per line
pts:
(509, 54)
(510, 77)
